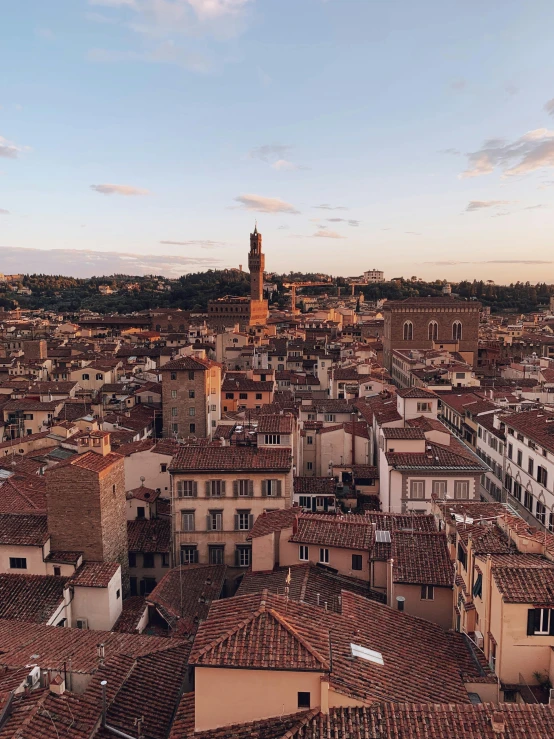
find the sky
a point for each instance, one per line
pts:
(148, 136)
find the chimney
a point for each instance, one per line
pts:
(497, 722)
(57, 685)
(400, 600)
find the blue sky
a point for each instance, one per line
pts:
(413, 137)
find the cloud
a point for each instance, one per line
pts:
(127, 190)
(413, 233)
(9, 150)
(265, 205)
(480, 204)
(535, 207)
(281, 164)
(326, 234)
(87, 263)
(455, 152)
(529, 153)
(350, 221)
(326, 206)
(459, 84)
(268, 152)
(202, 243)
(283, 228)
(4, 212)
(452, 262)
(549, 107)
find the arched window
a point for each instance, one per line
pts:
(457, 330)
(408, 331)
(433, 331)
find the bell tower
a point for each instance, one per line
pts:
(256, 265)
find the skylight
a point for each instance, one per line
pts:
(368, 654)
(382, 537)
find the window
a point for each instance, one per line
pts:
(243, 521)
(258, 396)
(457, 330)
(427, 592)
(462, 556)
(510, 451)
(540, 622)
(215, 554)
(271, 488)
(439, 488)
(173, 375)
(303, 699)
(189, 554)
(215, 488)
(324, 556)
(424, 407)
(187, 489)
(191, 394)
(357, 563)
(330, 417)
(242, 556)
(460, 375)
(417, 489)
(174, 393)
(174, 411)
(309, 440)
(243, 488)
(118, 593)
(229, 396)
(99, 376)
(408, 332)
(57, 571)
(191, 375)
(141, 511)
(540, 512)
(86, 376)
(478, 586)
(517, 490)
(192, 428)
(309, 466)
(214, 521)
(132, 559)
(148, 560)
(272, 439)
(461, 489)
(433, 331)
(192, 411)
(187, 521)
(243, 396)
(528, 500)
(175, 427)
(165, 559)
(519, 458)
(303, 553)
(163, 467)
(542, 476)
(530, 466)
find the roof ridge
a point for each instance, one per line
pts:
(232, 630)
(301, 723)
(285, 624)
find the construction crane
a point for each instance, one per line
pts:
(295, 285)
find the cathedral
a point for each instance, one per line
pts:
(252, 311)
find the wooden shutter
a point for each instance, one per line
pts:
(532, 614)
(279, 488)
(223, 487)
(236, 488)
(264, 488)
(180, 486)
(251, 524)
(236, 522)
(208, 488)
(208, 522)
(236, 557)
(195, 489)
(218, 521)
(251, 488)
(195, 558)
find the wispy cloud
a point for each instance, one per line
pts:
(325, 233)
(276, 156)
(126, 190)
(474, 205)
(529, 153)
(350, 221)
(413, 233)
(264, 204)
(455, 152)
(535, 207)
(4, 212)
(202, 243)
(9, 150)
(326, 206)
(549, 107)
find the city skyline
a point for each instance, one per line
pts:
(153, 134)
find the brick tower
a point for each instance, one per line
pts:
(256, 265)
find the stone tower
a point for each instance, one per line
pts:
(256, 265)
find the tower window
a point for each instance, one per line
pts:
(408, 331)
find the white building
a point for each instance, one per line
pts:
(374, 275)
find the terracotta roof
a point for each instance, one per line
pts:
(89, 461)
(200, 459)
(148, 495)
(436, 456)
(240, 383)
(422, 558)
(94, 574)
(30, 597)
(383, 409)
(314, 485)
(276, 424)
(346, 532)
(416, 392)
(184, 595)
(265, 631)
(533, 585)
(403, 433)
(186, 363)
(485, 538)
(23, 530)
(150, 535)
(270, 521)
(538, 425)
(133, 610)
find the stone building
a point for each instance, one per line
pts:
(431, 323)
(252, 311)
(86, 504)
(191, 397)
